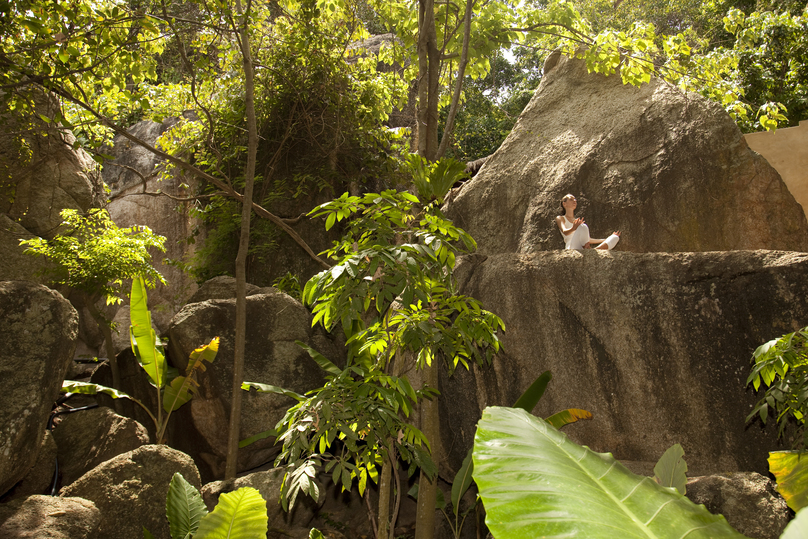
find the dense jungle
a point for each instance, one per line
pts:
(290, 269)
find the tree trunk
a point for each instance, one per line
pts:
(428, 81)
(428, 490)
(244, 244)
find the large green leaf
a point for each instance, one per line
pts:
(238, 515)
(145, 344)
(534, 482)
(671, 470)
(791, 470)
(184, 507)
(797, 528)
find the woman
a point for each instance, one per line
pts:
(575, 231)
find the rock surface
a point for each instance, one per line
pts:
(40, 175)
(130, 490)
(134, 171)
(668, 169)
(49, 517)
(44, 174)
(657, 346)
(38, 329)
(91, 437)
(748, 501)
(276, 321)
(39, 479)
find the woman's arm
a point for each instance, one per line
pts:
(567, 231)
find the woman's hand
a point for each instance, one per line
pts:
(575, 224)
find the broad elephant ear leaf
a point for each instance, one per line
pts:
(184, 508)
(797, 528)
(534, 482)
(241, 514)
(791, 470)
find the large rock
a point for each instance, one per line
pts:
(49, 517)
(657, 346)
(135, 171)
(40, 172)
(130, 490)
(670, 170)
(275, 322)
(38, 328)
(40, 478)
(88, 438)
(748, 501)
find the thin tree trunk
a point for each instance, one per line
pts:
(427, 489)
(461, 73)
(385, 487)
(244, 244)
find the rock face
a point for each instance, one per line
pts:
(40, 175)
(748, 501)
(165, 216)
(276, 321)
(40, 517)
(40, 478)
(657, 346)
(38, 328)
(130, 490)
(670, 170)
(91, 437)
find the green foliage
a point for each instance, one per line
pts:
(525, 467)
(434, 180)
(393, 294)
(772, 54)
(398, 252)
(527, 401)
(347, 426)
(289, 284)
(240, 514)
(172, 390)
(94, 256)
(782, 365)
(671, 470)
(791, 470)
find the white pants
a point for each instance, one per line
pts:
(581, 237)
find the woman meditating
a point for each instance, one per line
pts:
(575, 231)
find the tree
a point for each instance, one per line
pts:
(93, 257)
(393, 293)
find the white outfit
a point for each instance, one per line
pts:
(578, 239)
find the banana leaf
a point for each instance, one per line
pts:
(791, 470)
(182, 388)
(241, 514)
(146, 346)
(184, 508)
(534, 482)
